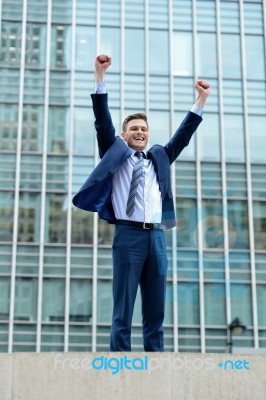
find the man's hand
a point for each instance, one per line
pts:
(102, 62)
(203, 88)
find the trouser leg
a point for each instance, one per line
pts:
(130, 247)
(153, 288)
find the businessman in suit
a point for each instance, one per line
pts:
(130, 188)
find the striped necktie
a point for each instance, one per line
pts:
(136, 174)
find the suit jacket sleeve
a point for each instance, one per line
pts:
(182, 136)
(103, 122)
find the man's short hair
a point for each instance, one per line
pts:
(134, 116)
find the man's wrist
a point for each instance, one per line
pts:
(201, 101)
(100, 88)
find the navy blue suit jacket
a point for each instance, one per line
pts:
(95, 194)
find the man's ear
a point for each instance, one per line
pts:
(122, 135)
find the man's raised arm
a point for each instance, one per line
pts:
(103, 121)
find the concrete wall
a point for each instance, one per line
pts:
(144, 376)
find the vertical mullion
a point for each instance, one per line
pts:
(17, 179)
(95, 216)
(248, 174)
(199, 199)
(223, 165)
(70, 168)
(147, 60)
(122, 57)
(174, 233)
(44, 169)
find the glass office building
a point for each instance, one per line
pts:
(55, 260)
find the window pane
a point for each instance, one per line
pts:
(182, 53)
(84, 132)
(104, 301)
(207, 55)
(188, 303)
(159, 45)
(238, 219)
(60, 46)
(53, 301)
(26, 299)
(257, 137)
(231, 56)
(8, 127)
(29, 217)
(35, 45)
(32, 128)
(214, 302)
(241, 304)
(134, 13)
(86, 12)
(85, 47)
(134, 51)
(186, 218)
(4, 298)
(261, 301)
(6, 216)
(110, 12)
(259, 215)
(206, 15)
(56, 215)
(209, 133)
(234, 137)
(80, 307)
(110, 44)
(182, 14)
(58, 129)
(159, 127)
(255, 57)
(10, 43)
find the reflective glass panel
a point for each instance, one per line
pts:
(4, 298)
(241, 304)
(259, 215)
(80, 307)
(188, 303)
(55, 218)
(29, 217)
(214, 302)
(159, 44)
(110, 44)
(26, 299)
(231, 56)
(234, 137)
(85, 47)
(209, 137)
(257, 137)
(255, 57)
(58, 129)
(35, 45)
(84, 132)
(8, 126)
(207, 55)
(182, 54)
(134, 51)
(60, 46)
(53, 302)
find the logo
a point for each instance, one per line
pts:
(238, 364)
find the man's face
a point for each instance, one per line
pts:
(136, 134)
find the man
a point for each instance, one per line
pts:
(130, 187)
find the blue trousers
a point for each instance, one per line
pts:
(139, 258)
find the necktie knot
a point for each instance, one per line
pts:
(139, 154)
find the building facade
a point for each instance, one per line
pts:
(55, 260)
